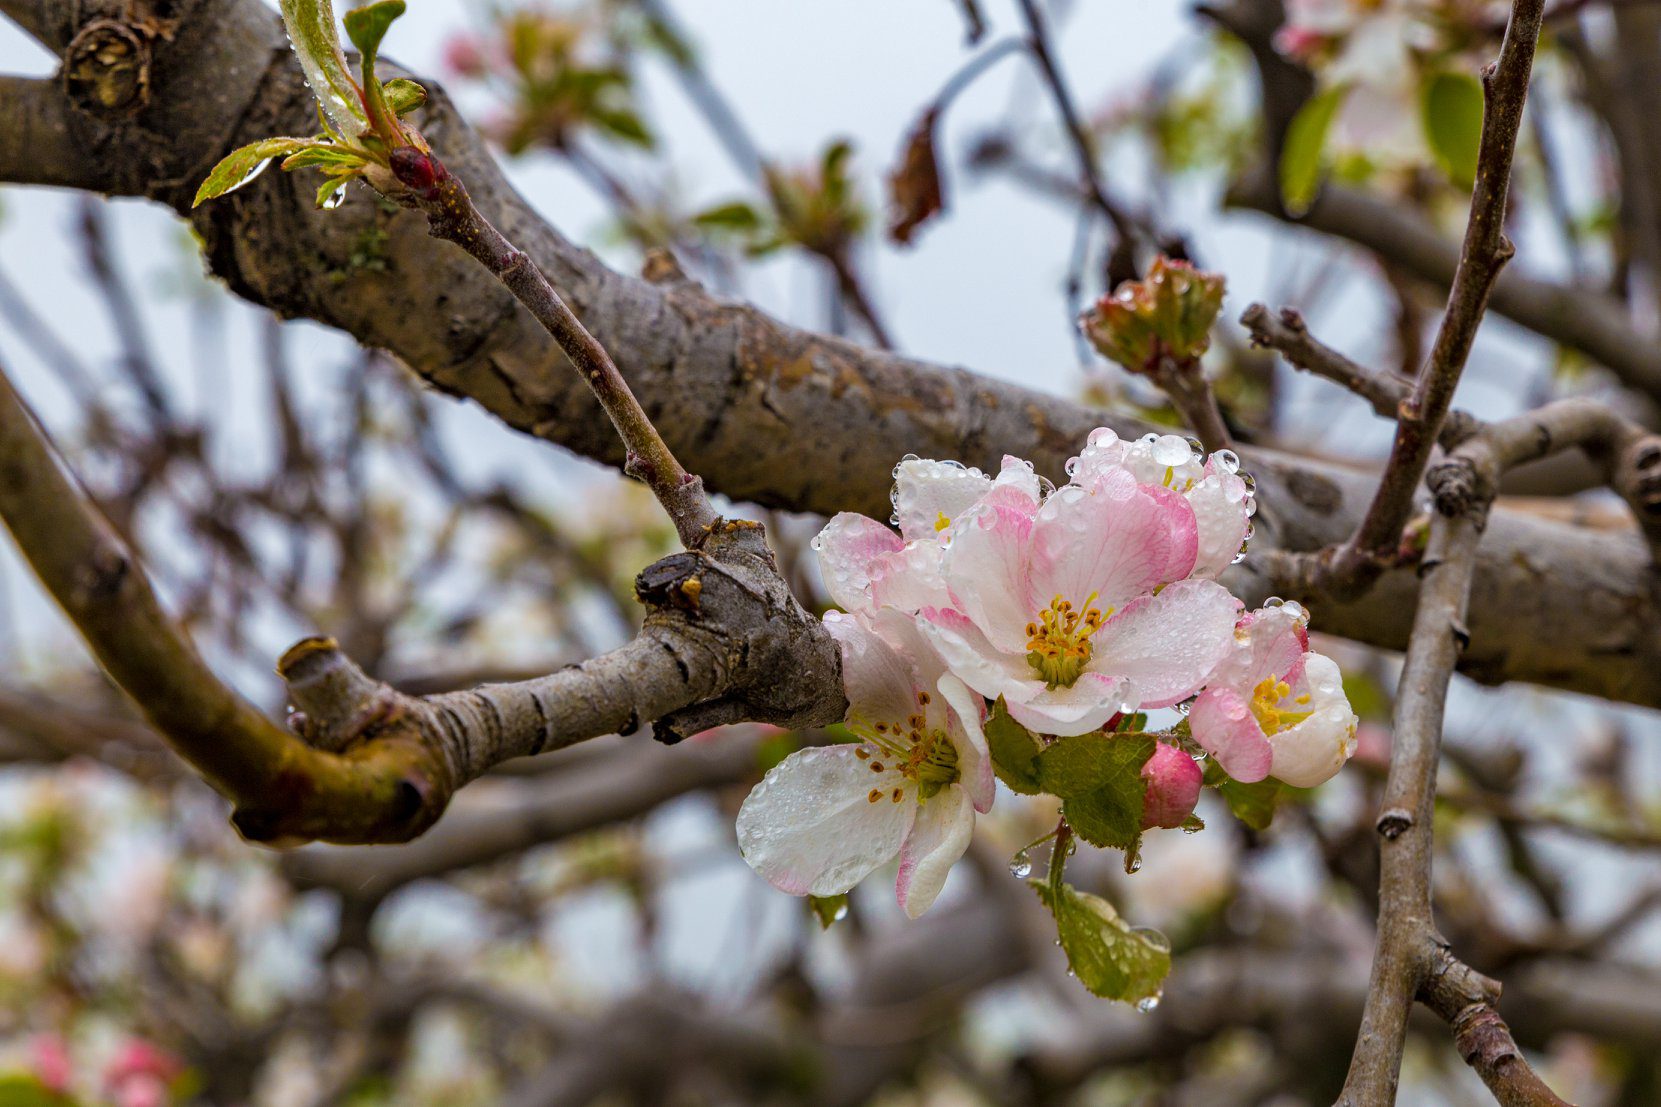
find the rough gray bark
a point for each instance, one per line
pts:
(763, 411)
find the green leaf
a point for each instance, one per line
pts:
(329, 188)
(22, 1090)
(1253, 804)
(736, 217)
(1452, 106)
(237, 167)
(1099, 779)
(367, 26)
(622, 123)
(1015, 751)
(1301, 157)
(829, 909)
(404, 95)
(311, 30)
(1109, 957)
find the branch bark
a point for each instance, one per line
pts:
(764, 412)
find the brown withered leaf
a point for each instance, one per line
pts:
(915, 188)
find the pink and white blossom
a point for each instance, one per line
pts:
(1272, 707)
(867, 565)
(825, 818)
(1080, 607)
(1219, 496)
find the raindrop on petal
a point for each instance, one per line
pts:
(1227, 460)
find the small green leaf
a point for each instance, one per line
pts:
(22, 1090)
(736, 217)
(1099, 779)
(311, 30)
(1109, 957)
(404, 95)
(330, 187)
(1015, 751)
(829, 909)
(622, 123)
(367, 26)
(1253, 804)
(239, 166)
(1301, 157)
(1452, 106)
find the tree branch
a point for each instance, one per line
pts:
(762, 411)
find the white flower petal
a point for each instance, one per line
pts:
(1219, 503)
(1085, 706)
(945, 823)
(929, 495)
(881, 684)
(911, 579)
(1312, 752)
(810, 827)
(974, 760)
(974, 660)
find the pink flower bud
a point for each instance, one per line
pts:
(465, 56)
(1173, 780)
(52, 1065)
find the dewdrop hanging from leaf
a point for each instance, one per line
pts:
(362, 119)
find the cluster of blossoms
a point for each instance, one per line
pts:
(1063, 610)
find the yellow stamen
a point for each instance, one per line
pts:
(1058, 642)
(941, 522)
(1265, 705)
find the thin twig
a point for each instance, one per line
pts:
(452, 216)
(1286, 333)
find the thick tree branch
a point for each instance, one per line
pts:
(282, 787)
(764, 412)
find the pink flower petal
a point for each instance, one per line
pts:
(974, 660)
(848, 548)
(1173, 787)
(986, 573)
(1222, 723)
(1169, 643)
(1114, 544)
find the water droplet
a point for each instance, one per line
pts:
(334, 199)
(1196, 448)
(1154, 938)
(1133, 864)
(1148, 439)
(1071, 467)
(1297, 610)
(1184, 707)
(1020, 866)
(1251, 482)
(249, 177)
(1227, 460)
(841, 912)
(1168, 449)
(1273, 601)
(1147, 1004)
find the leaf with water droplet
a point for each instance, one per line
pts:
(311, 31)
(1099, 780)
(241, 166)
(1109, 957)
(829, 909)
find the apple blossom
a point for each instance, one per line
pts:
(865, 564)
(1272, 707)
(825, 818)
(1079, 608)
(1221, 498)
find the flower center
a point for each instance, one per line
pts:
(1265, 705)
(921, 754)
(1058, 643)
